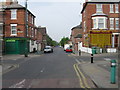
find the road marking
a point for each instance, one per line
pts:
(79, 73)
(107, 59)
(19, 85)
(80, 80)
(11, 68)
(42, 70)
(77, 61)
(84, 79)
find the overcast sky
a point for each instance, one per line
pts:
(57, 16)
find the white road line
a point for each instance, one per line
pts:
(77, 61)
(107, 59)
(42, 70)
(18, 85)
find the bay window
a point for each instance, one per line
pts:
(99, 23)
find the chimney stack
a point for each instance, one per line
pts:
(9, 2)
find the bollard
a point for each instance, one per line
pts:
(91, 58)
(79, 52)
(26, 53)
(113, 71)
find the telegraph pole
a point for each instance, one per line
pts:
(1, 31)
(26, 16)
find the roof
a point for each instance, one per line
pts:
(99, 14)
(77, 27)
(103, 1)
(99, 2)
(79, 36)
(15, 6)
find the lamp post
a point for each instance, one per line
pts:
(26, 49)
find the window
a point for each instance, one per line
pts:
(13, 29)
(94, 23)
(84, 26)
(32, 32)
(13, 14)
(27, 16)
(27, 30)
(117, 23)
(116, 8)
(99, 23)
(32, 19)
(99, 8)
(111, 8)
(111, 23)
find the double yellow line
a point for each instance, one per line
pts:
(82, 79)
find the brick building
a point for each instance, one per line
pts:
(44, 34)
(76, 36)
(20, 33)
(101, 23)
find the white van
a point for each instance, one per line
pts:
(66, 46)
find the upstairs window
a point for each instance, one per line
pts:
(117, 23)
(99, 23)
(27, 30)
(13, 13)
(116, 8)
(111, 23)
(98, 8)
(111, 8)
(13, 29)
(27, 16)
(94, 23)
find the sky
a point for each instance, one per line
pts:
(58, 16)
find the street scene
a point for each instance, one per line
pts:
(56, 44)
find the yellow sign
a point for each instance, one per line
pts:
(100, 39)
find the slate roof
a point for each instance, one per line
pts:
(15, 6)
(79, 27)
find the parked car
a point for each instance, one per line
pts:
(48, 49)
(69, 49)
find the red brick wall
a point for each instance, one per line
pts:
(20, 21)
(91, 9)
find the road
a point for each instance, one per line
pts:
(50, 70)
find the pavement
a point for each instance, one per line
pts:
(97, 71)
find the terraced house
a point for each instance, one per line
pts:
(20, 33)
(101, 23)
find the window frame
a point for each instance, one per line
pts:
(112, 28)
(116, 8)
(13, 12)
(13, 30)
(111, 8)
(117, 19)
(97, 22)
(98, 10)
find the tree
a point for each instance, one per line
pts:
(64, 41)
(51, 42)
